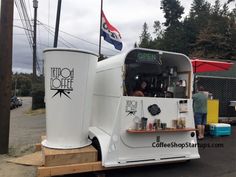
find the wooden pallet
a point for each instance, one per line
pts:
(62, 162)
(70, 169)
(55, 157)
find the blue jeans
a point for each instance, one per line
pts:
(200, 118)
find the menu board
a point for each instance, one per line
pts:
(147, 57)
(140, 56)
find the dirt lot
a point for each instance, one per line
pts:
(25, 130)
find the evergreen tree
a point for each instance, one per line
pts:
(172, 10)
(216, 8)
(173, 37)
(208, 31)
(145, 37)
(199, 8)
(216, 40)
(194, 22)
(158, 32)
(157, 28)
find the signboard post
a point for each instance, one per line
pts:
(6, 24)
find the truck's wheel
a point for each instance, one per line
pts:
(96, 144)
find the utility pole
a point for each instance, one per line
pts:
(35, 6)
(57, 23)
(16, 85)
(6, 25)
(100, 33)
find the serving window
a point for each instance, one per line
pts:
(151, 74)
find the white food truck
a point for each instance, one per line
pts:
(154, 128)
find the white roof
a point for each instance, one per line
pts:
(119, 60)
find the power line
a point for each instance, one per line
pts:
(20, 34)
(42, 44)
(24, 20)
(17, 19)
(17, 26)
(65, 41)
(78, 37)
(29, 9)
(51, 33)
(49, 12)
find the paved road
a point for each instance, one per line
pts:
(217, 162)
(26, 128)
(214, 162)
(25, 131)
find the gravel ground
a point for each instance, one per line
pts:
(26, 127)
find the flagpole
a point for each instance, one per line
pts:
(100, 35)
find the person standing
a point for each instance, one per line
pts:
(200, 111)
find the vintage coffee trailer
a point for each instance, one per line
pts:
(157, 127)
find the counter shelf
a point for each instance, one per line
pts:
(133, 131)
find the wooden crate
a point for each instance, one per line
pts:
(56, 157)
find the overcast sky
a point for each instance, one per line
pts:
(81, 19)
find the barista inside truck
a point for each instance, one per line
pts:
(140, 89)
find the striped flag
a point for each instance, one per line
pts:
(110, 33)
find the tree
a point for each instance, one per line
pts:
(199, 9)
(211, 44)
(172, 10)
(145, 37)
(194, 23)
(157, 28)
(199, 14)
(216, 8)
(217, 38)
(22, 82)
(207, 31)
(173, 38)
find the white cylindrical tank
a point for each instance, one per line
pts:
(69, 80)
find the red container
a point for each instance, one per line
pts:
(150, 126)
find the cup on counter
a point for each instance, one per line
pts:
(137, 123)
(183, 122)
(157, 122)
(144, 123)
(174, 123)
(150, 126)
(163, 126)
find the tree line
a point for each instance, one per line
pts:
(207, 31)
(22, 84)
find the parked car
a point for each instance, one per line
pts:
(15, 102)
(20, 102)
(12, 104)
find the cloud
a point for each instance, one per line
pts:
(82, 18)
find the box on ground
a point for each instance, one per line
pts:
(220, 129)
